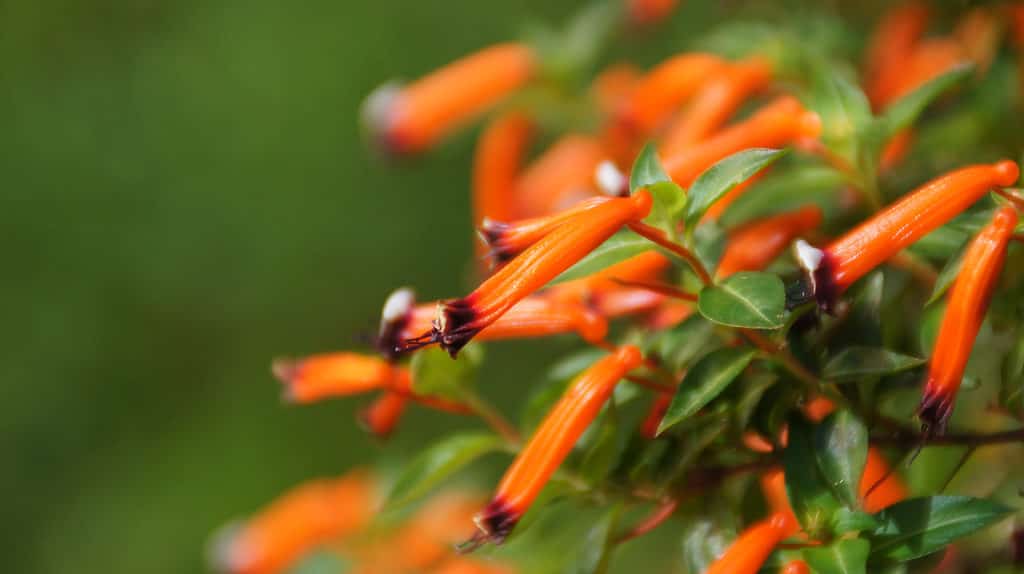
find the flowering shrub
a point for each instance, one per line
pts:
(781, 279)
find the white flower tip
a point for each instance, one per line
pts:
(610, 179)
(226, 550)
(808, 256)
(377, 107)
(398, 305)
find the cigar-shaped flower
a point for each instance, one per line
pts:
(890, 46)
(427, 538)
(561, 177)
(796, 567)
(535, 316)
(875, 496)
(552, 442)
(662, 90)
(929, 60)
(748, 553)
(647, 266)
(649, 11)
(331, 375)
(459, 320)
(968, 302)
(415, 116)
(312, 514)
(756, 244)
(380, 417)
(656, 412)
(624, 301)
(833, 269)
(498, 159)
(670, 313)
(506, 239)
(715, 103)
(777, 124)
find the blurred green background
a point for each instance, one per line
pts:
(186, 195)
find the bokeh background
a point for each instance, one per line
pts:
(185, 196)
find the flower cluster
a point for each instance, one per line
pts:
(730, 236)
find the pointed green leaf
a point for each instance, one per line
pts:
(647, 169)
(678, 346)
(841, 449)
(705, 381)
(856, 363)
(746, 299)
(841, 557)
(616, 249)
(904, 111)
(434, 373)
(437, 463)
(846, 520)
(844, 110)
(722, 177)
(594, 555)
(786, 189)
(948, 275)
(809, 493)
(921, 526)
(669, 202)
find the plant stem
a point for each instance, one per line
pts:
(655, 519)
(662, 288)
(658, 237)
(966, 439)
(493, 418)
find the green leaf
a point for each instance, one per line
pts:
(948, 275)
(808, 491)
(616, 249)
(856, 363)
(846, 520)
(904, 111)
(705, 381)
(844, 110)
(841, 557)
(746, 299)
(437, 463)
(785, 190)
(603, 448)
(722, 177)
(677, 347)
(647, 169)
(594, 555)
(921, 526)
(841, 449)
(709, 240)
(669, 202)
(434, 373)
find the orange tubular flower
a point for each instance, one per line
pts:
(929, 60)
(382, 415)
(331, 375)
(649, 11)
(459, 320)
(777, 124)
(552, 442)
(875, 497)
(412, 118)
(715, 103)
(499, 156)
(752, 548)
(890, 47)
(310, 515)
(968, 301)
(506, 240)
(534, 316)
(560, 177)
(753, 246)
(833, 269)
(660, 93)
(796, 567)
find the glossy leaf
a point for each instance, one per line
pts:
(432, 466)
(669, 202)
(705, 381)
(846, 520)
(616, 249)
(856, 363)
(434, 373)
(848, 556)
(809, 493)
(921, 526)
(948, 275)
(904, 111)
(841, 450)
(722, 177)
(746, 299)
(677, 347)
(844, 110)
(647, 169)
(594, 555)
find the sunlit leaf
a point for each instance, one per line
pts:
(647, 169)
(434, 373)
(904, 111)
(841, 557)
(722, 177)
(746, 299)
